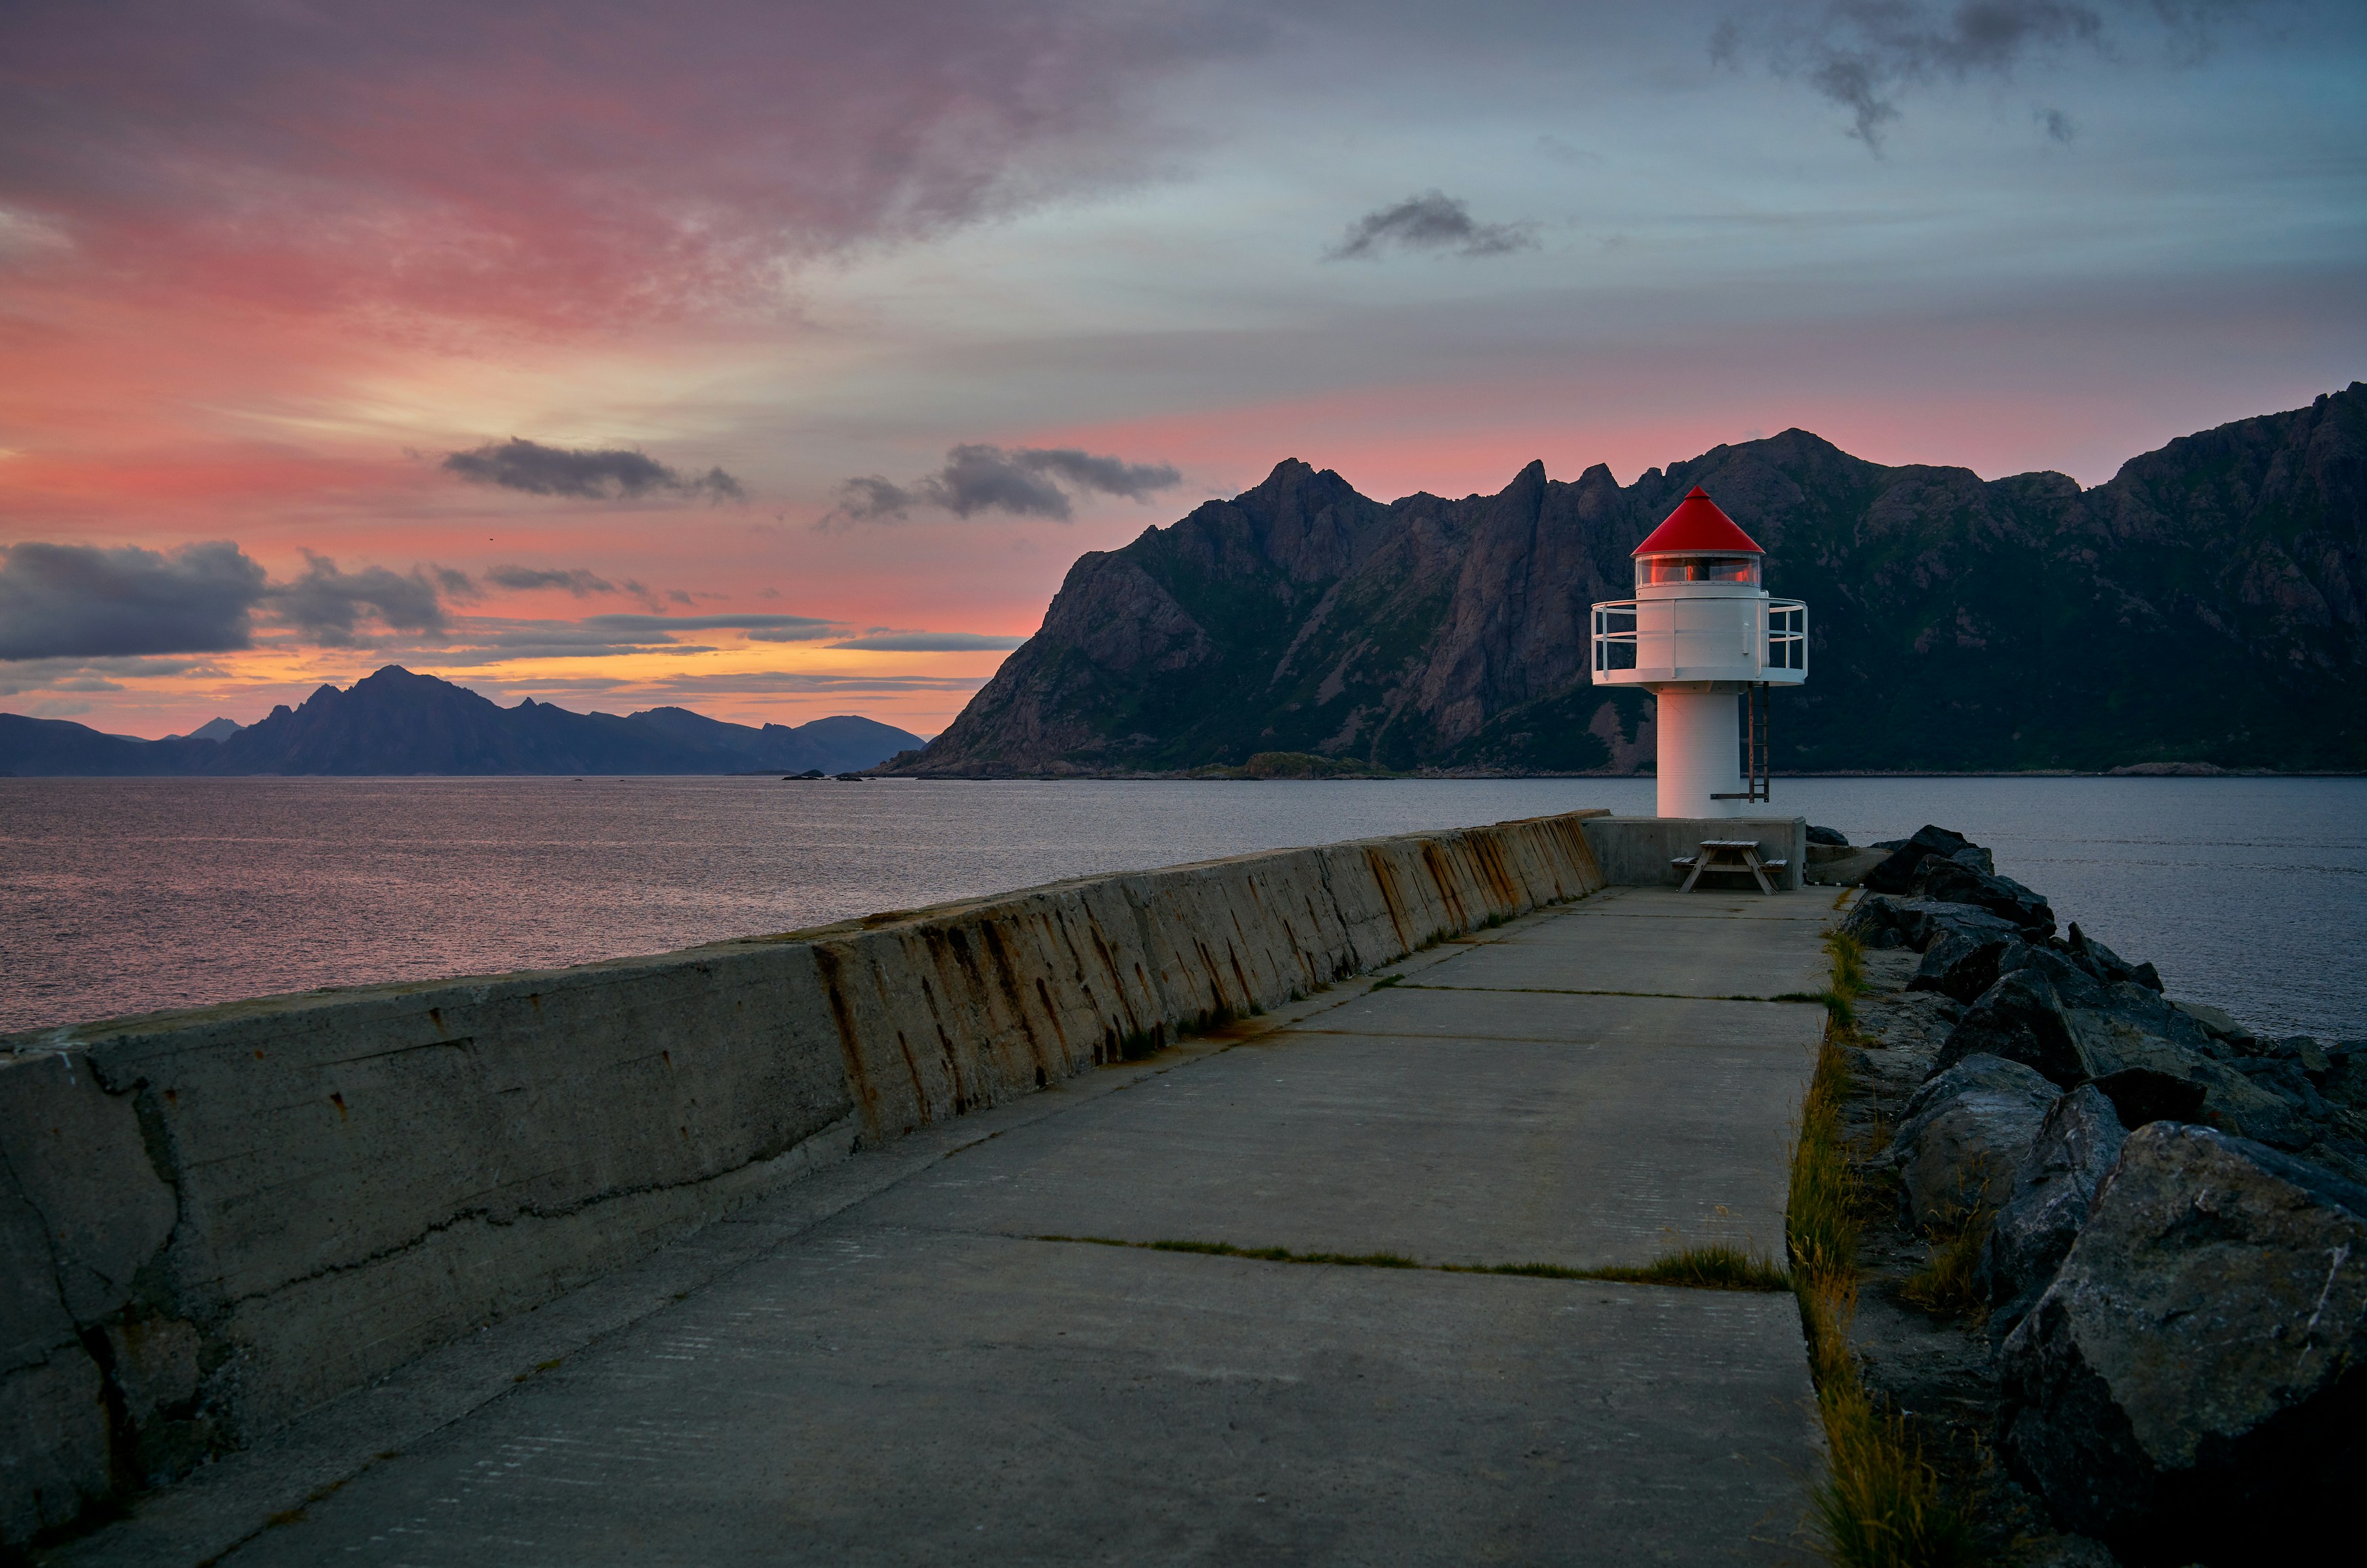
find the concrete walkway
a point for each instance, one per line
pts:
(892, 1363)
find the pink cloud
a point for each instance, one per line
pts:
(545, 166)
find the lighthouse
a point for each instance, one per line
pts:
(1704, 638)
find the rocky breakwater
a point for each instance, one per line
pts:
(2159, 1216)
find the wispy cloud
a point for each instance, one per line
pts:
(930, 642)
(485, 640)
(798, 680)
(1433, 221)
(1020, 482)
(657, 160)
(609, 473)
(1864, 56)
(782, 628)
(577, 581)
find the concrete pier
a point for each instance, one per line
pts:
(887, 1361)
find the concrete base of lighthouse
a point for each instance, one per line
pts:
(1699, 730)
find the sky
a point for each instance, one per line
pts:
(779, 359)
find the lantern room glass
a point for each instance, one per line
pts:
(1652, 570)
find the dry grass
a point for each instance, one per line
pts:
(1945, 1285)
(1849, 978)
(1879, 1503)
(1820, 1211)
(1715, 1267)
(1849, 963)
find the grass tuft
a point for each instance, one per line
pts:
(1849, 963)
(1714, 1266)
(1945, 1285)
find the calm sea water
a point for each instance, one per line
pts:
(128, 896)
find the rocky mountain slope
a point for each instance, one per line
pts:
(395, 722)
(2208, 604)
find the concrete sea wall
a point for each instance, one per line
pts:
(213, 1221)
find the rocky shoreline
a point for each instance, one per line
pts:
(2115, 1265)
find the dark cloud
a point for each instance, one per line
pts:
(59, 674)
(72, 615)
(1022, 481)
(1431, 221)
(84, 601)
(87, 602)
(931, 642)
(1109, 476)
(328, 605)
(2056, 124)
(577, 581)
(978, 478)
(871, 498)
(1864, 55)
(596, 474)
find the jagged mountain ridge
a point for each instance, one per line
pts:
(2204, 605)
(395, 722)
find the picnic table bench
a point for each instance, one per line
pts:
(1728, 855)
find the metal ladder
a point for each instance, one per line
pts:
(1754, 745)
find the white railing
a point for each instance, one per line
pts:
(1783, 654)
(1787, 635)
(1615, 645)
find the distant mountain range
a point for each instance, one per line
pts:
(395, 722)
(2208, 605)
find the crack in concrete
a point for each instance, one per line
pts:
(1786, 997)
(530, 1212)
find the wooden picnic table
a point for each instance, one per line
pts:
(1728, 855)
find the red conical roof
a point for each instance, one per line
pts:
(1697, 527)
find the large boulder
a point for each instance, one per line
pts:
(2056, 1183)
(2140, 1095)
(1832, 835)
(2193, 1384)
(1899, 872)
(1964, 1138)
(1962, 964)
(2150, 1059)
(2105, 965)
(2344, 1081)
(1951, 882)
(1837, 865)
(2026, 1017)
(1880, 921)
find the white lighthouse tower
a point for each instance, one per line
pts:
(1701, 632)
